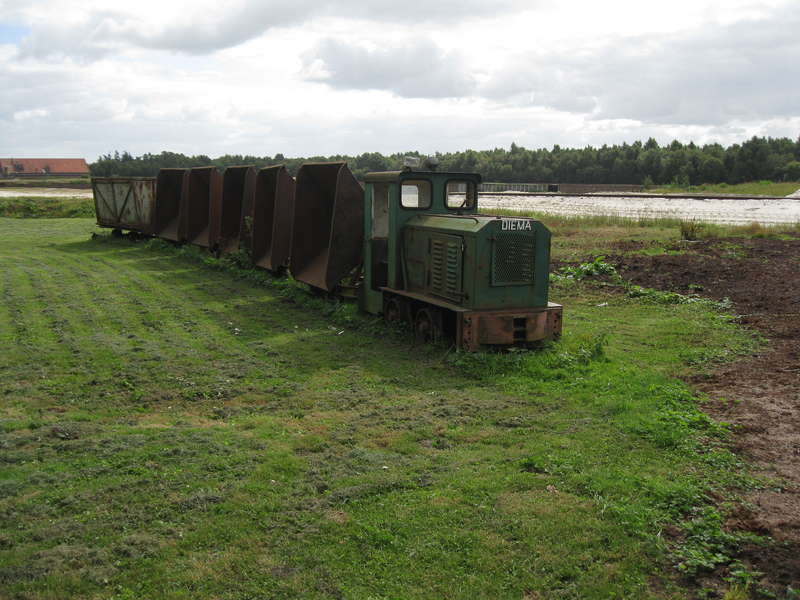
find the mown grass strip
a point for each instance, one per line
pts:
(341, 460)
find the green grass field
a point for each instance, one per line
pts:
(177, 427)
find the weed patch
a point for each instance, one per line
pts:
(32, 207)
(554, 361)
(707, 545)
(598, 268)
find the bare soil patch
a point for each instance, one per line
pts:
(759, 395)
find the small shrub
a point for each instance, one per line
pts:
(707, 544)
(690, 230)
(594, 268)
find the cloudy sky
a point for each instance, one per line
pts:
(303, 78)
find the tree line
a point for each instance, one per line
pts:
(647, 163)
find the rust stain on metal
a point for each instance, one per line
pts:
(170, 213)
(507, 327)
(202, 200)
(269, 220)
(328, 230)
(238, 184)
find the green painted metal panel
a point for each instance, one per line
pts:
(453, 223)
(501, 267)
(444, 266)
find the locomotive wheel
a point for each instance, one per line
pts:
(396, 311)
(428, 325)
(391, 311)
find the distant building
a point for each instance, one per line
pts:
(43, 167)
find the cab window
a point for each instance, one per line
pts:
(461, 194)
(415, 193)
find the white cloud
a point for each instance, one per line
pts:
(204, 27)
(414, 68)
(746, 70)
(24, 115)
(328, 77)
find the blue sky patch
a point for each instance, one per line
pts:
(12, 34)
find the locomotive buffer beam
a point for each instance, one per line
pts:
(493, 327)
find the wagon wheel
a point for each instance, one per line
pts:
(428, 325)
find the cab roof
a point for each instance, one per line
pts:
(388, 176)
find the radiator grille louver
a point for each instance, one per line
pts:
(513, 259)
(445, 266)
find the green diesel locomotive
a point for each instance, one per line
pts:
(430, 259)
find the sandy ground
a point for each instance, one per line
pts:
(712, 211)
(29, 192)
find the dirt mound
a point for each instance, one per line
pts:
(759, 395)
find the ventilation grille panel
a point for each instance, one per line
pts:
(445, 266)
(513, 259)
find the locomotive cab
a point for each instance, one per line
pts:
(430, 259)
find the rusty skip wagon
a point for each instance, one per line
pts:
(411, 241)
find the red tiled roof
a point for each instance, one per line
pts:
(43, 165)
